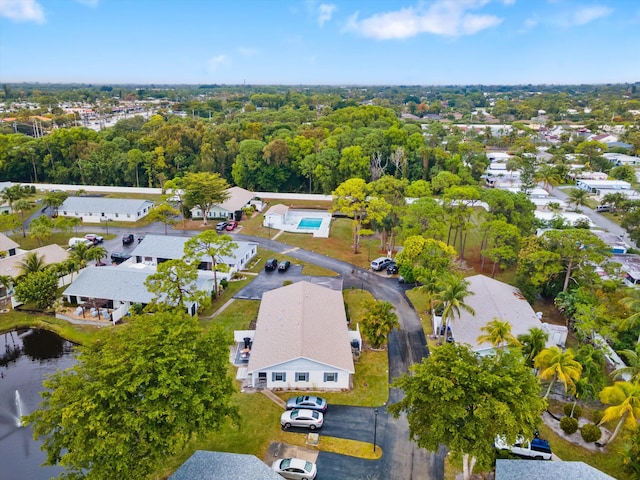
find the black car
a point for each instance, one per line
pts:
(284, 265)
(127, 239)
(119, 257)
(392, 269)
(271, 264)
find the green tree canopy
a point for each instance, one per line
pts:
(378, 320)
(204, 190)
(463, 401)
(137, 395)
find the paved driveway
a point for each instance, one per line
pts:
(266, 281)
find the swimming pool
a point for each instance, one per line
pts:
(310, 223)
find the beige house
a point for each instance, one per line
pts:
(301, 340)
(237, 200)
(493, 299)
(8, 247)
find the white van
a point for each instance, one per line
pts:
(75, 240)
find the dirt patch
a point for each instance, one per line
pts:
(575, 438)
(283, 450)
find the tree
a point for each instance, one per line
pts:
(96, 254)
(38, 287)
(165, 214)
(54, 200)
(136, 395)
(633, 366)
(204, 190)
(12, 194)
(548, 175)
(22, 205)
(624, 398)
(578, 197)
(555, 364)
(421, 257)
(464, 401)
(631, 450)
(81, 254)
(31, 263)
(532, 344)
(41, 228)
(214, 246)
(377, 322)
(9, 222)
(498, 333)
(452, 292)
(632, 302)
(174, 285)
(352, 198)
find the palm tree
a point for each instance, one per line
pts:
(21, 205)
(578, 197)
(6, 282)
(32, 263)
(624, 398)
(452, 292)
(548, 175)
(96, 254)
(555, 364)
(80, 253)
(633, 366)
(632, 302)
(13, 193)
(378, 321)
(533, 343)
(498, 333)
(429, 285)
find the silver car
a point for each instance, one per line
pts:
(310, 402)
(302, 418)
(295, 469)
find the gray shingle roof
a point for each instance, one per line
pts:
(204, 465)
(302, 320)
(97, 205)
(541, 470)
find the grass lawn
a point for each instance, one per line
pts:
(74, 333)
(237, 316)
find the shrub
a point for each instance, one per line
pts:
(224, 283)
(577, 412)
(597, 416)
(590, 432)
(569, 425)
(286, 282)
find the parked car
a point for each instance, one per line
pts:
(95, 239)
(392, 268)
(380, 263)
(221, 226)
(537, 448)
(231, 225)
(295, 469)
(302, 417)
(271, 264)
(119, 257)
(284, 265)
(76, 240)
(127, 239)
(310, 402)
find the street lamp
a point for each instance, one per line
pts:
(375, 427)
(106, 221)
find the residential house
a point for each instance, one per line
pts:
(116, 288)
(532, 470)
(301, 340)
(491, 299)
(630, 267)
(10, 265)
(155, 249)
(8, 247)
(620, 159)
(594, 186)
(231, 208)
(205, 465)
(4, 206)
(616, 242)
(100, 209)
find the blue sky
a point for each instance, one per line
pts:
(428, 42)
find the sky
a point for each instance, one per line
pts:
(315, 42)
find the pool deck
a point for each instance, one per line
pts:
(293, 218)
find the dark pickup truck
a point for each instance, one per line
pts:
(127, 239)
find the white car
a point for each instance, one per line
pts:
(295, 469)
(302, 417)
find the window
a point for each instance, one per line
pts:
(278, 377)
(331, 377)
(302, 377)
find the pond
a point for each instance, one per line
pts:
(26, 357)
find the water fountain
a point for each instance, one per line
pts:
(19, 409)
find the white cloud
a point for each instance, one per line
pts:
(448, 18)
(325, 12)
(529, 23)
(215, 62)
(247, 51)
(22, 10)
(584, 15)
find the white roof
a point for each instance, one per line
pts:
(96, 205)
(492, 299)
(301, 320)
(278, 209)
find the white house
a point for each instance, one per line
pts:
(593, 186)
(491, 299)
(156, 249)
(619, 159)
(100, 209)
(238, 199)
(301, 340)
